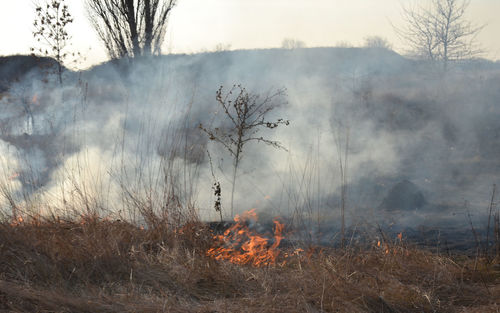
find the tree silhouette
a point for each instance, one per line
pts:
(51, 23)
(130, 28)
(440, 32)
(247, 115)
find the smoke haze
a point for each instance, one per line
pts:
(113, 135)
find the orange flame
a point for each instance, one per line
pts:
(17, 221)
(34, 100)
(240, 245)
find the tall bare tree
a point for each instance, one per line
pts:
(441, 31)
(130, 28)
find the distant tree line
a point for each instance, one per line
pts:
(435, 29)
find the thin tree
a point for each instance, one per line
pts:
(440, 32)
(51, 23)
(246, 115)
(130, 28)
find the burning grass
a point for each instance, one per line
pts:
(97, 265)
(240, 245)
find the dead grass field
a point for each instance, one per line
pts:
(94, 265)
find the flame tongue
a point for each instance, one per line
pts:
(240, 245)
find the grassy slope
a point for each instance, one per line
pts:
(103, 266)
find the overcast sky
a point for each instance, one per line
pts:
(198, 25)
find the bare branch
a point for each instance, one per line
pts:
(246, 113)
(51, 21)
(440, 32)
(130, 28)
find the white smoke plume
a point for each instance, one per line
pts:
(119, 137)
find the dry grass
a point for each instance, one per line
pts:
(113, 266)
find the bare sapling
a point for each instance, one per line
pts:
(246, 115)
(51, 25)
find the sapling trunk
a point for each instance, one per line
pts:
(233, 188)
(59, 71)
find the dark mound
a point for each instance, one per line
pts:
(14, 67)
(405, 195)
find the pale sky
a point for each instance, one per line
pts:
(199, 25)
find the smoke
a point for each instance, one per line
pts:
(10, 168)
(117, 137)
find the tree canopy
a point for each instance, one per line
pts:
(130, 28)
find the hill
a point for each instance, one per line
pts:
(14, 68)
(405, 118)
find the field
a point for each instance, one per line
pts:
(381, 184)
(193, 164)
(97, 265)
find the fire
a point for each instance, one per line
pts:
(17, 221)
(395, 248)
(34, 100)
(240, 245)
(14, 176)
